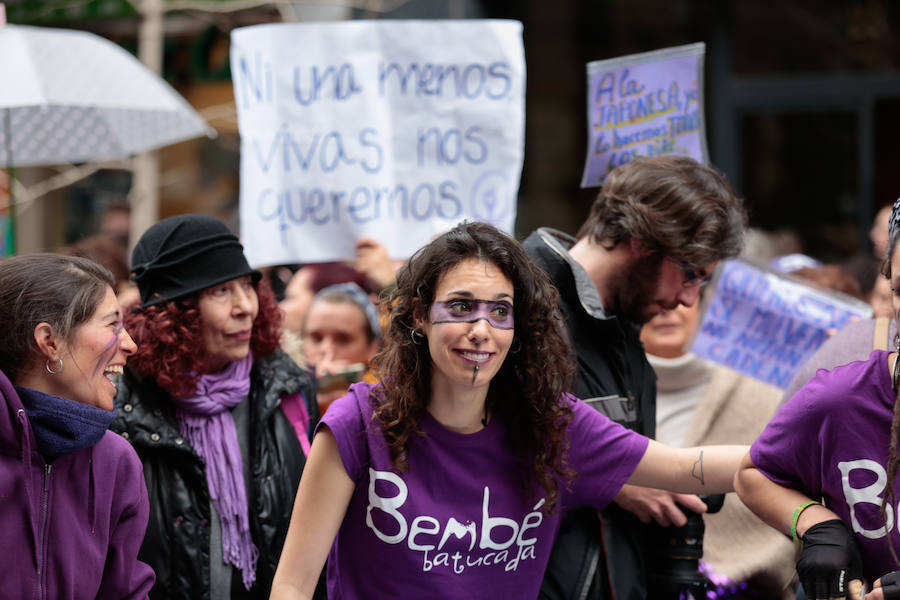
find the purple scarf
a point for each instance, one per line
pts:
(205, 420)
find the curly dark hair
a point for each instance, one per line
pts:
(168, 337)
(674, 206)
(525, 393)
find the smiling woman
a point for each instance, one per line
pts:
(218, 414)
(62, 346)
(470, 424)
(468, 339)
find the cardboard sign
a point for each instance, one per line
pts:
(644, 105)
(396, 130)
(767, 325)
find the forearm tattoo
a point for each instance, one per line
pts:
(697, 469)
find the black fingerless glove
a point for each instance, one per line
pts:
(829, 560)
(890, 585)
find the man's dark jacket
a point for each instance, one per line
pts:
(177, 543)
(601, 558)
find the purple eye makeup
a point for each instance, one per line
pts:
(498, 313)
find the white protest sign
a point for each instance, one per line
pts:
(395, 130)
(766, 325)
(643, 105)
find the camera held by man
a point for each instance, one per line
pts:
(676, 562)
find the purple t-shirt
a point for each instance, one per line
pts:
(458, 524)
(831, 440)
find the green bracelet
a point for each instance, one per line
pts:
(796, 517)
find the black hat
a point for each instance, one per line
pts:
(185, 254)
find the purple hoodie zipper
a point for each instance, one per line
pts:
(42, 542)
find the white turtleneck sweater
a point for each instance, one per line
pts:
(681, 383)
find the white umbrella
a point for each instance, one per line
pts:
(71, 96)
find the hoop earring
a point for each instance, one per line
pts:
(417, 336)
(897, 341)
(517, 347)
(51, 371)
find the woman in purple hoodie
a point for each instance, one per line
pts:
(73, 504)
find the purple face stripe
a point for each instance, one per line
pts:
(110, 349)
(498, 313)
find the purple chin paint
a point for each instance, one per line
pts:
(499, 313)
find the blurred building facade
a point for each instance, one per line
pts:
(802, 103)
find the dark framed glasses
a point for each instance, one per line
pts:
(695, 277)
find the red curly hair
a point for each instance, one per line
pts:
(168, 336)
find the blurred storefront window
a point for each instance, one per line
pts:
(795, 164)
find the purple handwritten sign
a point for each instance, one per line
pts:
(767, 325)
(644, 105)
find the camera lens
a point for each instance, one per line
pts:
(677, 561)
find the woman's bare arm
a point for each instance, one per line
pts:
(322, 499)
(700, 470)
(774, 503)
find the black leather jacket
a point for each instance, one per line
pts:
(607, 558)
(178, 536)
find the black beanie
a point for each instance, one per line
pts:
(186, 254)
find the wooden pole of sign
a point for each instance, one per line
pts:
(144, 194)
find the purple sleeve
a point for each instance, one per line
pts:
(800, 446)
(788, 451)
(345, 419)
(603, 454)
(124, 576)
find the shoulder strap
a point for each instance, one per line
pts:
(880, 339)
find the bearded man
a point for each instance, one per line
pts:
(657, 229)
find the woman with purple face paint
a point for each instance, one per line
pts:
(74, 505)
(448, 479)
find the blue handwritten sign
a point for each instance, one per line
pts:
(644, 105)
(767, 325)
(395, 130)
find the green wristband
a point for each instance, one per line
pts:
(796, 517)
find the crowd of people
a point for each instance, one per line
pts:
(487, 419)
